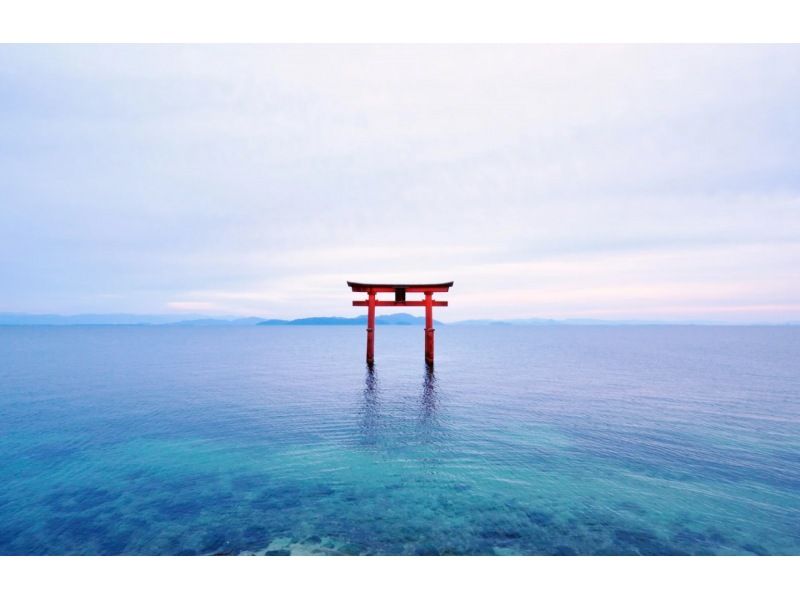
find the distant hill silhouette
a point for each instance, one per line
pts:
(16, 319)
(7, 319)
(217, 322)
(401, 319)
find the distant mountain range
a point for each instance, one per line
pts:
(586, 322)
(7, 319)
(389, 319)
(399, 319)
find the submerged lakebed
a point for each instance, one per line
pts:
(553, 440)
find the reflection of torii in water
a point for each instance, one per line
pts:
(430, 395)
(400, 290)
(372, 423)
(370, 411)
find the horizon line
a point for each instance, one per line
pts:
(172, 318)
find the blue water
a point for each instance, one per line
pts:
(278, 440)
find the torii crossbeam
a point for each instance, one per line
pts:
(400, 290)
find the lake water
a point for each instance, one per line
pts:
(278, 440)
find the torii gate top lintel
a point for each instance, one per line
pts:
(400, 290)
(385, 287)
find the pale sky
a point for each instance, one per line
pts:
(656, 182)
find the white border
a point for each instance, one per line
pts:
(381, 577)
(377, 21)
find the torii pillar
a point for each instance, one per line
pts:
(400, 290)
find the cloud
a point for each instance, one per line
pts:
(260, 178)
(192, 306)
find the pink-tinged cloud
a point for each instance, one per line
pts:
(547, 181)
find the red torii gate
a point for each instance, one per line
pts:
(399, 290)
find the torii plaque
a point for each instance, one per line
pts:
(400, 290)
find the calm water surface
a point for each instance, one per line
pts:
(278, 440)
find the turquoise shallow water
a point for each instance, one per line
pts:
(278, 440)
